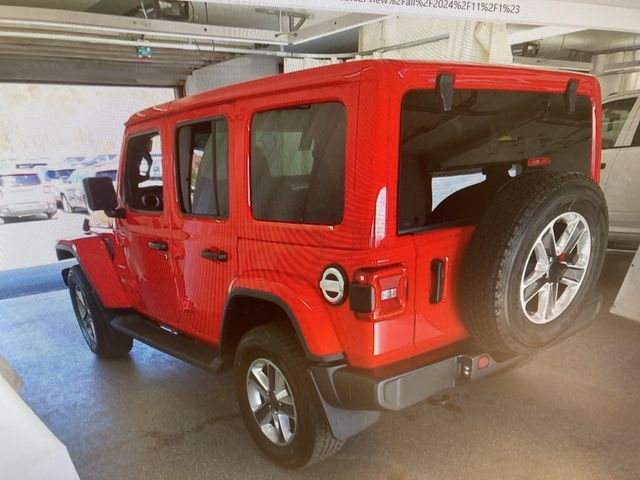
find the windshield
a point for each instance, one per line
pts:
(19, 180)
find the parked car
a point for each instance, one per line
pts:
(74, 161)
(294, 238)
(620, 177)
(23, 193)
(100, 159)
(54, 175)
(72, 194)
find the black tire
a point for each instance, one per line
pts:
(501, 252)
(52, 215)
(101, 338)
(66, 206)
(312, 439)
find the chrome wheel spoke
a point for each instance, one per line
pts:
(572, 275)
(544, 295)
(260, 382)
(572, 235)
(278, 427)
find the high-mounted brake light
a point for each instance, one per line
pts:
(538, 162)
(379, 293)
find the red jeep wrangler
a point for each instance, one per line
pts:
(349, 239)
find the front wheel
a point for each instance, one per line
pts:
(93, 319)
(66, 206)
(279, 403)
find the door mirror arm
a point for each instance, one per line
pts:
(118, 212)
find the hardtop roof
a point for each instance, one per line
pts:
(328, 74)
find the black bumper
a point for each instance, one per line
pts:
(402, 385)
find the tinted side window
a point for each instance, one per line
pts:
(614, 116)
(298, 163)
(203, 168)
(142, 192)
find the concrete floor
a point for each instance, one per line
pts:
(571, 413)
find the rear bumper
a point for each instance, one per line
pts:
(27, 209)
(400, 386)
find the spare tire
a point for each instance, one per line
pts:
(536, 253)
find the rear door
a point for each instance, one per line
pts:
(144, 234)
(204, 241)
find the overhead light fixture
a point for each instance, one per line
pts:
(171, 10)
(176, 10)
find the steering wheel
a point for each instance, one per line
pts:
(151, 201)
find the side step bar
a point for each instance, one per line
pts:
(167, 341)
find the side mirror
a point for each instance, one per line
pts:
(102, 196)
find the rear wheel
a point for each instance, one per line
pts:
(534, 256)
(94, 320)
(278, 400)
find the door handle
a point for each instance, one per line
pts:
(158, 245)
(438, 272)
(215, 255)
(603, 166)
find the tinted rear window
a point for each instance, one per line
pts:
(107, 173)
(19, 180)
(297, 164)
(452, 164)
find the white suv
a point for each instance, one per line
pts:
(22, 194)
(620, 177)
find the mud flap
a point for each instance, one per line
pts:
(346, 423)
(627, 303)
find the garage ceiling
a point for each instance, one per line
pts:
(96, 42)
(99, 41)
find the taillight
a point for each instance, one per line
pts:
(379, 293)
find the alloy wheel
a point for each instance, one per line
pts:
(271, 401)
(555, 268)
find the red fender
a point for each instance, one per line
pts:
(95, 259)
(312, 321)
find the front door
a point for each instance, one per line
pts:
(144, 233)
(204, 244)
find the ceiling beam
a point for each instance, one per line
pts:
(84, 72)
(333, 26)
(538, 33)
(551, 63)
(110, 24)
